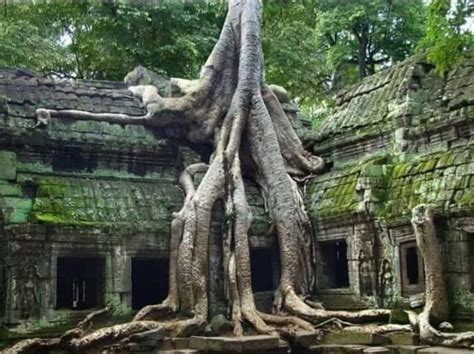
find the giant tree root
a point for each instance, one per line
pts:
(121, 333)
(436, 303)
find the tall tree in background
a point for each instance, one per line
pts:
(28, 43)
(316, 47)
(447, 38)
(103, 40)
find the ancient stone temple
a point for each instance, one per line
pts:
(400, 138)
(85, 206)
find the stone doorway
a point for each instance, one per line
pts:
(262, 262)
(334, 264)
(411, 266)
(80, 283)
(149, 281)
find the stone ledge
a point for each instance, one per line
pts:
(335, 349)
(406, 349)
(443, 350)
(355, 338)
(235, 344)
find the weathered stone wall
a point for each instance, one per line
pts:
(87, 189)
(400, 138)
(90, 189)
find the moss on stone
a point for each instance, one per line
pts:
(393, 187)
(399, 316)
(9, 189)
(7, 165)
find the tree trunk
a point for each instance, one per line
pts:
(360, 33)
(429, 245)
(436, 304)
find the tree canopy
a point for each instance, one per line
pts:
(312, 47)
(446, 36)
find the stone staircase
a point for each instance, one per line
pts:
(301, 343)
(358, 343)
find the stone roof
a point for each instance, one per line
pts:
(82, 173)
(89, 174)
(410, 95)
(22, 93)
(399, 138)
(26, 92)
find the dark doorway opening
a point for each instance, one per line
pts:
(411, 260)
(335, 265)
(149, 281)
(411, 267)
(261, 262)
(80, 283)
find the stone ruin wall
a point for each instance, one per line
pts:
(92, 189)
(402, 137)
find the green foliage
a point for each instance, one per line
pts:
(399, 316)
(24, 43)
(105, 40)
(446, 40)
(316, 47)
(312, 47)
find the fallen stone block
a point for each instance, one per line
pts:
(355, 338)
(305, 339)
(443, 350)
(406, 349)
(335, 349)
(404, 338)
(235, 344)
(378, 350)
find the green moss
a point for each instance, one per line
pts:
(17, 203)
(398, 316)
(8, 189)
(49, 218)
(7, 165)
(16, 209)
(445, 160)
(18, 217)
(396, 187)
(118, 307)
(467, 198)
(399, 170)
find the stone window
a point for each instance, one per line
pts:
(262, 261)
(411, 266)
(72, 159)
(335, 267)
(150, 281)
(80, 283)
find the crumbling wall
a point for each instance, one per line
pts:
(90, 191)
(400, 138)
(104, 191)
